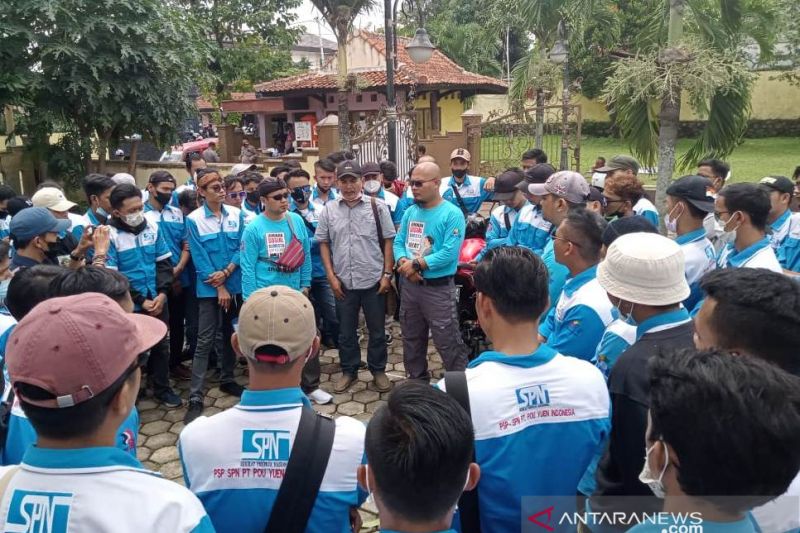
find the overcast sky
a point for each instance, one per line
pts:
(307, 13)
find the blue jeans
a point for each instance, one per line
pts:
(325, 307)
(374, 306)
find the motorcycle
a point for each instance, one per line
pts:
(474, 241)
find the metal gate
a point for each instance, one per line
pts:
(555, 129)
(370, 139)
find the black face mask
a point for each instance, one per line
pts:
(300, 196)
(3, 213)
(460, 173)
(52, 250)
(252, 197)
(163, 198)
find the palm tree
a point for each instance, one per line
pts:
(706, 65)
(340, 15)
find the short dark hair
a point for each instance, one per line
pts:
(745, 441)
(191, 156)
(601, 158)
(161, 176)
(277, 170)
(719, 168)
(325, 164)
(20, 244)
(6, 192)
(188, 198)
(694, 212)
(292, 164)
(298, 173)
(269, 186)
(5, 248)
(749, 198)
(251, 176)
(586, 231)
(122, 192)
(516, 280)
(17, 204)
(96, 184)
(90, 279)
(419, 447)
(30, 287)
(69, 422)
(758, 311)
(389, 170)
(796, 173)
(536, 154)
(624, 225)
(230, 179)
(341, 156)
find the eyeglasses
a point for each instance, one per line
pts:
(557, 238)
(417, 183)
(215, 188)
(279, 197)
(240, 195)
(611, 200)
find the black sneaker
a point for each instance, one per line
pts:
(232, 388)
(169, 399)
(195, 409)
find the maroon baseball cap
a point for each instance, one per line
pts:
(75, 347)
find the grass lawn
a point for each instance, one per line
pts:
(750, 161)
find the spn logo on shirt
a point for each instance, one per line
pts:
(38, 512)
(533, 396)
(265, 445)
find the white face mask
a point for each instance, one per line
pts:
(672, 223)
(372, 187)
(646, 477)
(134, 219)
(729, 235)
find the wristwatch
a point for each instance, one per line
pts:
(388, 275)
(76, 257)
(417, 266)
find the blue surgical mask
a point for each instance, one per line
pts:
(101, 212)
(4, 291)
(627, 317)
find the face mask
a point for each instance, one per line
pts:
(372, 187)
(646, 477)
(460, 173)
(4, 290)
(134, 219)
(672, 223)
(3, 213)
(102, 213)
(252, 197)
(301, 195)
(163, 198)
(729, 235)
(51, 252)
(627, 317)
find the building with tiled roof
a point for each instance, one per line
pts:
(436, 90)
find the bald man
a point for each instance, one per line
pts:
(426, 247)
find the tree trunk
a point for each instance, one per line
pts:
(133, 156)
(344, 106)
(102, 150)
(669, 115)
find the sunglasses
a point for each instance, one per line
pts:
(215, 188)
(279, 197)
(415, 184)
(234, 195)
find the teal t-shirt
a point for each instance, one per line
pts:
(744, 525)
(436, 234)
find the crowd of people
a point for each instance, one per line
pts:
(645, 367)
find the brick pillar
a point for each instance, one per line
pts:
(227, 148)
(328, 135)
(470, 126)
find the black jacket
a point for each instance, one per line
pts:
(629, 385)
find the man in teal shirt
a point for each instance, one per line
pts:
(267, 238)
(426, 247)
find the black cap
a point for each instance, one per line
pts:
(693, 189)
(505, 186)
(536, 174)
(161, 176)
(348, 168)
(781, 184)
(370, 168)
(596, 195)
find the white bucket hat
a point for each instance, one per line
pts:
(644, 268)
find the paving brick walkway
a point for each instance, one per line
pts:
(160, 426)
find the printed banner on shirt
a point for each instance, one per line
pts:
(38, 511)
(276, 244)
(416, 237)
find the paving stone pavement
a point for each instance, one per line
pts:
(161, 426)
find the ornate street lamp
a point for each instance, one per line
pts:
(559, 55)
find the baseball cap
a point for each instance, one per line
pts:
(370, 168)
(349, 168)
(536, 174)
(123, 177)
(161, 177)
(624, 225)
(460, 153)
(75, 347)
(620, 162)
(242, 167)
(596, 195)
(693, 189)
(781, 184)
(505, 186)
(644, 268)
(34, 221)
(278, 316)
(565, 184)
(17, 204)
(52, 198)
